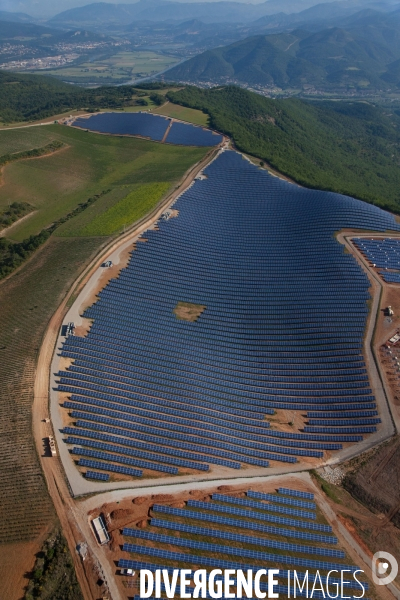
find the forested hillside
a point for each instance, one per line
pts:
(29, 97)
(347, 147)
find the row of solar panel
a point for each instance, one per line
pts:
(85, 380)
(189, 407)
(243, 539)
(125, 371)
(332, 356)
(136, 453)
(242, 442)
(236, 456)
(123, 460)
(174, 425)
(86, 412)
(98, 476)
(151, 447)
(95, 464)
(241, 552)
(196, 443)
(391, 277)
(121, 363)
(350, 381)
(265, 507)
(236, 415)
(239, 523)
(265, 516)
(135, 408)
(255, 452)
(100, 412)
(325, 375)
(282, 499)
(341, 343)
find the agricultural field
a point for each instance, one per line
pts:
(28, 300)
(183, 113)
(88, 164)
(118, 68)
(128, 210)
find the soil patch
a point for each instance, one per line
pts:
(188, 311)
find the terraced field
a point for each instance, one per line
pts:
(28, 300)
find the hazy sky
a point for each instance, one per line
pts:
(51, 7)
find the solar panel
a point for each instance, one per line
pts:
(297, 493)
(98, 476)
(277, 498)
(95, 464)
(262, 506)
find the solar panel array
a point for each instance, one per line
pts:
(188, 135)
(283, 328)
(164, 538)
(216, 518)
(150, 126)
(142, 124)
(381, 252)
(269, 507)
(390, 276)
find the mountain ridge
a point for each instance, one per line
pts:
(361, 57)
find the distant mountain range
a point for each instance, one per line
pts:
(15, 17)
(363, 53)
(44, 35)
(102, 13)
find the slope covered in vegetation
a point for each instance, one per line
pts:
(348, 147)
(30, 97)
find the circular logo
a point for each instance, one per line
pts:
(382, 562)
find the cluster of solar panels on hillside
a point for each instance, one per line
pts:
(383, 253)
(148, 125)
(239, 543)
(282, 330)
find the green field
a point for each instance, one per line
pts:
(183, 113)
(128, 210)
(119, 68)
(88, 164)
